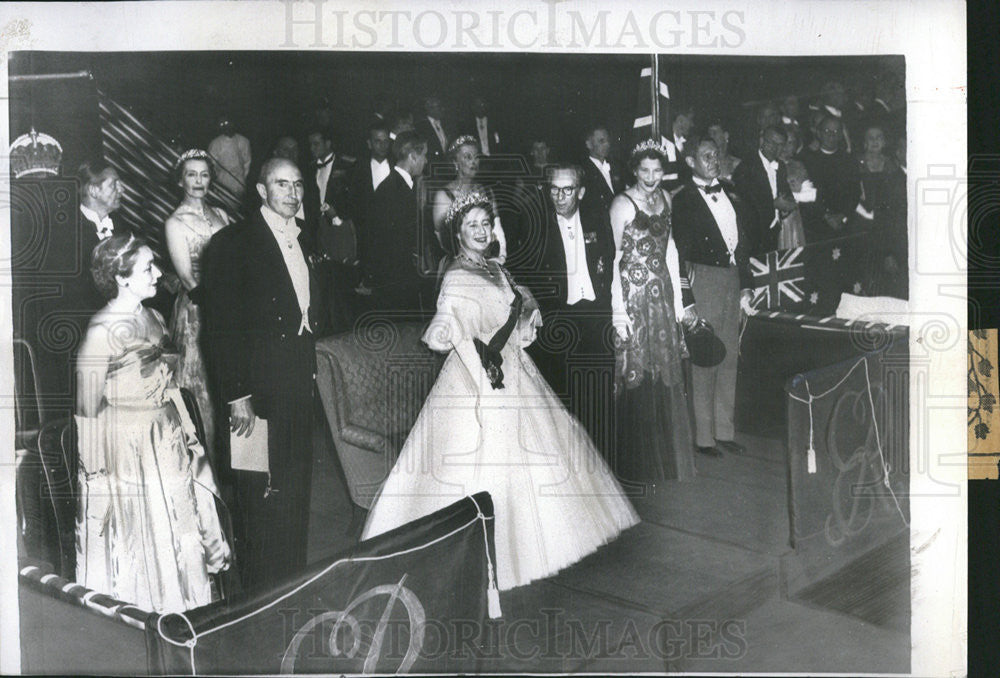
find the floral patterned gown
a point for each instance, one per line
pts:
(654, 426)
(148, 531)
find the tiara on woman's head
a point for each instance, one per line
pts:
(192, 154)
(649, 145)
(464, 201)
(465, 139)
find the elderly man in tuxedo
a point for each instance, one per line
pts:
(263, 310)
(710, 227)
(571, 280)
(100, 195)
(601, 180)
(762, 181)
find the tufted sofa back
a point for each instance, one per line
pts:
(373, 380)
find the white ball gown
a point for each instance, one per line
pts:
(555, 500)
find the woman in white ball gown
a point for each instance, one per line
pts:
(492, 423)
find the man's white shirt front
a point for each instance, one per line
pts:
(578, 283)
(725, 216)
(605, 169)
(380, 170)
(286, 232)
(103, 226)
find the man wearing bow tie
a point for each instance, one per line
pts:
(431, 128)
(485, 128)
(601, 180)
(571, 281)
(263, 312)
(100, 195)
(710, 226)
(763, 182)
(330, 228)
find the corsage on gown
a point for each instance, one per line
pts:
(148, 531)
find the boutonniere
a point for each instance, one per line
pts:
(589, 237)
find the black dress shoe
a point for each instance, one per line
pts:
(731, 446)
(710, 451)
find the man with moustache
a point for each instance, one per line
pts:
(572, 284)
(263, 311)
(710, 227)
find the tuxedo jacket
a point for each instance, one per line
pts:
(492, 133)
(697, 234)
(548, 281)
(252, 315)
(360, 193)
(391, 245)
(424, 129)
(598, 194)
(753, 187)
(336, 192)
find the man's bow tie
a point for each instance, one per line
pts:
(714, 188)
(324, 163)
(105, 232)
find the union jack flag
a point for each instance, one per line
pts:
(777, 279)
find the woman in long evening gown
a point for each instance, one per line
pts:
(188, 231)
(648, 300)
(492, 423)
(148, 531)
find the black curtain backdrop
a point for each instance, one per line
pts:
(270, 94)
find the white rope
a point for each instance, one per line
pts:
(811, 451)
(190, 644)
(881, 454)
(492, 588)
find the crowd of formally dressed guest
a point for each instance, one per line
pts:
(569, 268)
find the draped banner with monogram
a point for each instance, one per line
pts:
(397, 603)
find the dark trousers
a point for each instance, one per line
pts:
(272, 531)
(574, 354)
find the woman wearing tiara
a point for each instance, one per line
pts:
(464, 153)
(492, 423)
(188, 231)
(650, 298)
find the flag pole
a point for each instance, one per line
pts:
(654, 84)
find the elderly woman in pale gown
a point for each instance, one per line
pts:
(492, 423)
